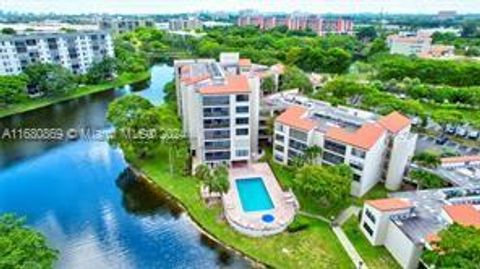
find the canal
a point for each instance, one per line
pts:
(82, 196)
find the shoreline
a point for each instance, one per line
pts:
(122, 80)
(254, 262)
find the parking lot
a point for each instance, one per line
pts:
(425, 142)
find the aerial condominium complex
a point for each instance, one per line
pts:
(219, 104)
(75, 51)
(408, 222)
(376, 148)
(419, 44)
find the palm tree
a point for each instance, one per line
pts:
(202, 172)
(312, 153)
(221, 184)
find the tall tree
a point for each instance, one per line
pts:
(13, 89)
(327, 184)
(22, 247)
(51, 79)
(458, 247)
(312, 153)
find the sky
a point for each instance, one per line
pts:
(180, 6)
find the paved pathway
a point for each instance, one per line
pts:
(310, 215)
(349, 248)
(346, 214)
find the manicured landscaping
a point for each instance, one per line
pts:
(312, 247)
(374, 256)
(123, 79)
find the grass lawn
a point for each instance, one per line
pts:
(374, 256)
(125, 78)
(314, 247)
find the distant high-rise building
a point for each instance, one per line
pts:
(75, 51)
(122, 25)
(181, 24)
(317, 24)
(446, 14)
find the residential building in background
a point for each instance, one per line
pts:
(181, 24)
(446, 14)
(419, 44)
(75, 51)
(409, 222)
(376, 148)
(123, 25)
(319, 25)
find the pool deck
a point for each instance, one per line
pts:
(251, 223)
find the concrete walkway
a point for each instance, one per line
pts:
(346, 214)
(349, 248)
(310, 215)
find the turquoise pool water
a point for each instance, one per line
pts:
(253, 194)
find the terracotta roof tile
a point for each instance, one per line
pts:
(465, 215)
(365, 137)
(244, 62)
(234, 84)
(390, 204)
(394, 122)
(294, 117)
(461, 159)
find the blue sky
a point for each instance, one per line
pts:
(177, 6)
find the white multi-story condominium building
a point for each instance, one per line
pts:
(409, 44)
(75, 51)
(376, 148)
(123, 25)
(410, 221)
(181, 24)
(219, 106)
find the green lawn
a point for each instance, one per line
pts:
(315, 247)
(125, 78)
(374, 256)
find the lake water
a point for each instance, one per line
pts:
(81, 195)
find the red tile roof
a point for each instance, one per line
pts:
(233, 84)
(465, 215)
(461, 159)
(390, 204)
(192, 80)
(365, 137)
(394, 122)
(244, 62)
(294, 117)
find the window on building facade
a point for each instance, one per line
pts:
(368, 229)
(241, 131)
(332, 158)
(280, 138)
(242, 98)
(357, 166)
(241, 121)
(216, 100)
(241, 152)
(335, 147)
(279, 147)
(299, 135)
(241, 109)
(370, 215)
(358, 153)
(297, 145)
(356, 178)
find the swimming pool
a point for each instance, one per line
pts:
(253, 194)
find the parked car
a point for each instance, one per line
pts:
(461, 131)
(473, 134)
(441, 140)
(449, 129)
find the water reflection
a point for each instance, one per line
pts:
(82, 196)
(140, 198)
